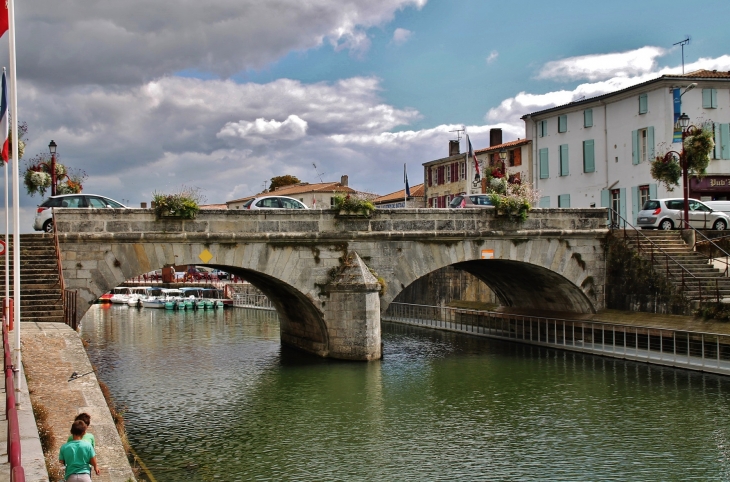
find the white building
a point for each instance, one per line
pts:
(596, 152)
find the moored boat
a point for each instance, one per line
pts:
(120, 295)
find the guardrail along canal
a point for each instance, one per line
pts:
(214, 395)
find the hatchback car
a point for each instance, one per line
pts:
(669, 213)
(44, 214)
(274, 202)
(472, 201)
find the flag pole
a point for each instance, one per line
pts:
(16, 197)
(405, 187)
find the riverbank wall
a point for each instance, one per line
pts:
(52, 353)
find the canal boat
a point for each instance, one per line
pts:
(154, 298)
(214, 297)
(120, 295)
(136, 294)
(106, 297)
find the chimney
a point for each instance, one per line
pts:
(453, 148)
(343, 181)
(143, 205)
(495, 137)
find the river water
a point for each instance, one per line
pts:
(214, 396)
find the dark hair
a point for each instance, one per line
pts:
(84, 417)
(78, 428)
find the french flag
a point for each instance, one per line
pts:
(4, 23)
(4, 121)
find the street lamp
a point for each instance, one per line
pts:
(687, 130)
(503, 157)
(52, 148)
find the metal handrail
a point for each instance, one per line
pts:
(708, 240)
(58, 258)
(667, 256)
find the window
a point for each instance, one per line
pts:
(448, 173)
(644, 195)
(589, 156)
(709, 98)
(517, 156)
(95, 202)
(544, 202)
(564, 163)
(544, 166)
(722, 141)
(429, 174)
(542, 128)
(616, 206)
(441, 175)
(643, 103)
(642, 145)
(563, 123)
(462, 170)
(564, 201)
(588, 118)
(332, 202)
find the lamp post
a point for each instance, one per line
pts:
(687, 130)
(52, 148)
(503, 157)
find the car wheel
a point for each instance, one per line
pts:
(48, 226)
(666, 225)
(720, 225)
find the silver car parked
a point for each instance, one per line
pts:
(669, 213)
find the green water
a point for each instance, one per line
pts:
(214, 396)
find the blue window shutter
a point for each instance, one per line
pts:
(544, 202)
(652, 191)
(634, 203)
(544, 165)
(622, 202)
(562, 123)
(650, 143)
(564, 163)
(725, 140)
(718, 140)
(707, 98)
(588, 118)
(589, 156)
(564, 201)
(643, 104)
(713, 98)
(635, 146)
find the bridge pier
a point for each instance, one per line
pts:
(352, 312)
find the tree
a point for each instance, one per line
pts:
(281, 181)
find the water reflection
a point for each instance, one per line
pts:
(214, 395)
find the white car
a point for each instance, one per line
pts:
(44, 214)
(668, 214)
(274, 202)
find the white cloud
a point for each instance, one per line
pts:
(603, 66)
(492, 57)
(260, 130)
(401, 36)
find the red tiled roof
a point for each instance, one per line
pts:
(301, 188)
(506, 145)
(214, 206)
(416, 191)
(709, 74)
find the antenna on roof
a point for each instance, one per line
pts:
(318, 173)
(683, 43)
(458, 133)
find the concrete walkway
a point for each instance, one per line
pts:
(51, 353)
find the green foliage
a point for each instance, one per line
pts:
(511, 199)
(22, 131)
(184, 204)
(37, 177)
(353, 204)
(697, 150)
(713, 311)
(666, 172)
(281, 181)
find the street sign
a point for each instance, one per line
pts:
(2, 247)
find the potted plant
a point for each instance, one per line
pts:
(353, 205)
(183, 204)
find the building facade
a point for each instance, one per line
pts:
(597, 152)
(314, 196)
(398, 199)
(448, 177)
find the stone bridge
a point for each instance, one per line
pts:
(330, 276)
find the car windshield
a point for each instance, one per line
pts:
(456, 202)
(290, 203)
(269, 202)
(651, 204)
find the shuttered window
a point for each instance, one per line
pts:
(517, 156)
(563, 123)
(643, 103)
(588, 118)
(544, 202)
(589, 156)
(564, 160)
(542, 128)
(709, 98)
(544, 167)
(564, 201)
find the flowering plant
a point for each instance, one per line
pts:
(353, 204)
(38, 179)
(184, 204)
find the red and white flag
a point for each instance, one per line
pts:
(4, 120)
(314, 202)
(3, 18)
(473, 156)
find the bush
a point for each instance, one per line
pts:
(184, 203)
(353, 204)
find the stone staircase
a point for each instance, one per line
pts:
(710, 282)
(40, 288)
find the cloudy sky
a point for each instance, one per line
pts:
(224, 94)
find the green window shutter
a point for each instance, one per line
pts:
(564, 163)
(634, 203)
(650, 143)
(635, 146)
(622, 202)
(709, 98)
(544, 202)
(652, 191)
(643, 104)
(713, 98)
(589, 156)
(544, 165)
(542, 128)
(588, 118)
(718, 139)
(564, 201)
(725, 141)
(563, 123)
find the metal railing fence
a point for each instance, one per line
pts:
(679, 348)
(252, 300)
